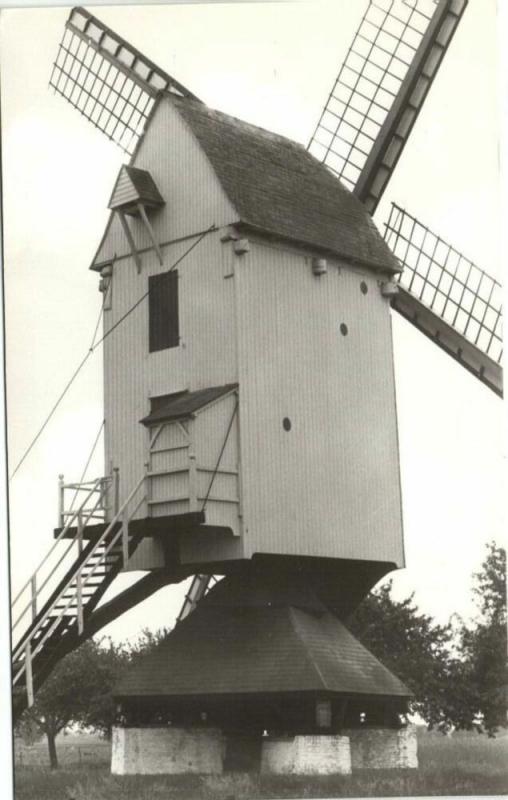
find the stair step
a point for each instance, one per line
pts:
(74, 594)
(95, 558)
(73, 600)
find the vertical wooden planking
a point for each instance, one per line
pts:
(214, 432)
(329, 485)
(194, 198)
(206, 352)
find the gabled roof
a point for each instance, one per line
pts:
(231, 647)
(279, 188)
(184, 404)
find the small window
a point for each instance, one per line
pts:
(163, 311)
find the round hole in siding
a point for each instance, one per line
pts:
(286, 424)
(343, 329)
(364, 288)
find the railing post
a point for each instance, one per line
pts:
(116, 490)
(80, 532)
(148, 487)
(103, 484)
(28, 674)
(61, 520)
(79, 601)
(125, 537)
(193, 473)
(193, 482)
(33, 588)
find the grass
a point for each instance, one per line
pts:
(463, 764)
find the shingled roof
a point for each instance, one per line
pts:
(231, 648)
(276, 186)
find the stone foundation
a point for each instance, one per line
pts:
(149, 751)
(383, 748)
(306, 755)
(170, 751)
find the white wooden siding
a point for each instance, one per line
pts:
(330, 486)
(206, 355)
(183, 175)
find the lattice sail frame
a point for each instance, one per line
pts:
(107, 80)
(466, 297)
(370, 78)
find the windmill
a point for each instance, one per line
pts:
(120, 91)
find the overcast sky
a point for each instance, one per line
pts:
(272, 64)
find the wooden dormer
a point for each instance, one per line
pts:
(135, 194)
(134, 187)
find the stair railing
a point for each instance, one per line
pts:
(35, 581)
(24, 652)
(101, 486)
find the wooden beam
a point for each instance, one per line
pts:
(128, 234)
(130, 597)
(450, 340)
(149, 526)
(28, 675)
(151, 233)
(397, 126)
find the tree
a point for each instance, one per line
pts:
(457, 672)
(146, 642)
(79, 690)
(482, 645)
(411, 645)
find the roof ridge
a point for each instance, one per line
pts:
(307, 650)
(212, 113)
(275, 184)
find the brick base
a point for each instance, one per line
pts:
(150, 751)
(383, 748)
(306, 755)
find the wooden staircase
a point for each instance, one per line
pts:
(67, 601)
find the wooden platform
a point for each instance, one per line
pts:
(149, 526)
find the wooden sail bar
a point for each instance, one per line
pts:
(108, 80)
(200, 585)
(368, 83)
(380, 89)
(399, 122)
(448, 298)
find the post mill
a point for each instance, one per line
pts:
(250, 418)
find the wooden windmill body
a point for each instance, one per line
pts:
(250, 417)
(246, 394)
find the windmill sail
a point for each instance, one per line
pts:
(448, 297)
(107, 80)
(380, 90)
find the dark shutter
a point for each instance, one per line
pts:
(163, 311)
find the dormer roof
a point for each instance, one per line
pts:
(134, 186)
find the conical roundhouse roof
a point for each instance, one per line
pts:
(232, 646)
